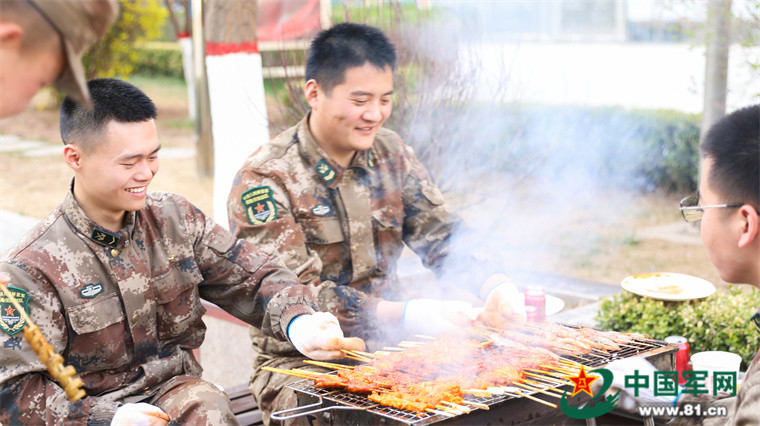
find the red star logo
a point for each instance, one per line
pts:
(582, 382)
(259, 208)
(9, 310)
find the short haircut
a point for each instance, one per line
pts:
(344, 46)
(733, 144)
(112, 99)
(39, 33)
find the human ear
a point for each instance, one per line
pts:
(311, 92)
(10, 32)
(72, 156)
(751, 228)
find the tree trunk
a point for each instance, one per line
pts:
(231, 21)
(236, 86)
(716, 62)
(204, 146)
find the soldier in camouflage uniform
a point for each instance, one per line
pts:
(114, 276)
(339, 197)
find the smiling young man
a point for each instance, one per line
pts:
(339, 197)
(114, 276)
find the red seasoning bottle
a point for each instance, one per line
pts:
(536, 298)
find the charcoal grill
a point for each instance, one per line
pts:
(344, 408)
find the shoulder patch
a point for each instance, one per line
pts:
(259, 205)
(11, 321)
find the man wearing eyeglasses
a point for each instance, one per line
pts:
(42, 41)
(728, 206)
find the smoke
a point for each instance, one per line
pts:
(533, 182)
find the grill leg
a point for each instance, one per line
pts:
(591, 422)
(649, 421)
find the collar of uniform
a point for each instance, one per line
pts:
(317, 158)
(90, 229)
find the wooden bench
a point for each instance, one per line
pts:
(243, 405)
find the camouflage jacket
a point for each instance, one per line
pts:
(124, 308)
(342, 229)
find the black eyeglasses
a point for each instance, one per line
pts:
(692, 211)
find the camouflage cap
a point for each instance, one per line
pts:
(80, 23)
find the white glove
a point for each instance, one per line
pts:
(318, 336)
(433, 317)
(140, 414)
(504, 297)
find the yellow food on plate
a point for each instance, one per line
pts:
(650, 275)
(666, 289)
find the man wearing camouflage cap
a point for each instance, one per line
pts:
(42, 41)
(339, 197)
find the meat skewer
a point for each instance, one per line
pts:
(65, 375)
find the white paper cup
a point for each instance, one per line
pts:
(715, 361)
(712, 361)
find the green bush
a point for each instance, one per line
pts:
(159, 59)
(114, 54)
(720, 322)
(643, 150)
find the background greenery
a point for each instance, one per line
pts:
(720, 322)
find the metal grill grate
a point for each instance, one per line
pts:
(650, 349)
(306, 386)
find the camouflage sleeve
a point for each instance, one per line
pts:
(28, 394)
(247, 282)
(279, 232)
(437, 234)
(254, 195)
(748, 406)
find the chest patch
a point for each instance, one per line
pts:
(320, 210)
(259, 205)
(91, 290)
(11, 321)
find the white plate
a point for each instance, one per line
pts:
(553, 304)
(668, 286)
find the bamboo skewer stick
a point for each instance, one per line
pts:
(453, 408)
(536, 399)
(408, 344)
(557, 382)
(304, 374)
(537, 389)
(477, 405)
(329, 365)
(443, 413)
(65, 375)
(355, 356)
(477, 392)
